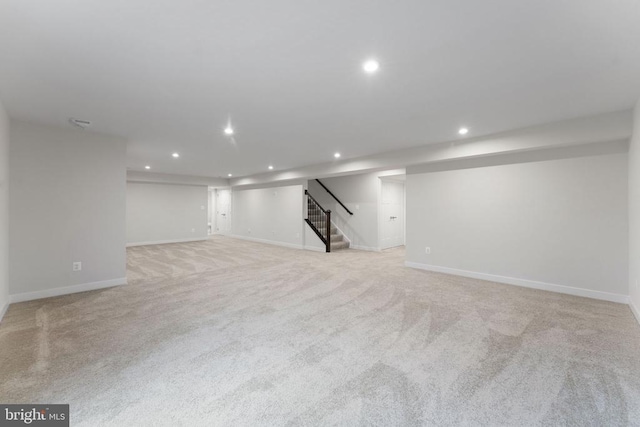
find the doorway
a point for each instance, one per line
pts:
(211, 215)
(223, 211)
(392, 207)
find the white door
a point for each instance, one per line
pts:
(392, 214)
(223, 211)
(211, 215)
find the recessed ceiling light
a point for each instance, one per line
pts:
(371, 66)
(147, 167)
(336, 155)
(176, 155)
(270, 167)
(463, 131)
(230, 175)
(228, 130)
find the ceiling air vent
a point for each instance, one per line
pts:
(82, 124)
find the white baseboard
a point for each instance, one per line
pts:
(164, 242)
(634, 310)
(606, 296)
(3, 311)
(315, 249)
(268, 242)
(48, 293)
(364, 248)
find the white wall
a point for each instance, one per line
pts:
(4, 211)
(67, 203)
(634, 216)
(162, 213)
(555, 224)
(272, 215)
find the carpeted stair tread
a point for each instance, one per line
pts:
(339, 245)
(337, 239)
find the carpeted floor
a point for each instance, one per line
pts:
(232, 333)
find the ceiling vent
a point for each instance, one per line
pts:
(82, 124)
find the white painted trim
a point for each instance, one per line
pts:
(314, 249)
(268, 242)
(3, 311)
(634, 310)
(163, 242)
(48, 293)
(365, 248)
(606, 296)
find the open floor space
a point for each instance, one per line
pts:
(229, 332)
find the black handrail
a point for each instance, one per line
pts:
(333, 195)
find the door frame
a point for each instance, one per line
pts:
(400, 179)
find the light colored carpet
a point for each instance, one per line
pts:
(228, 332)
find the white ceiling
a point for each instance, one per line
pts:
(168, 74)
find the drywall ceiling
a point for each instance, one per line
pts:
(168, 75)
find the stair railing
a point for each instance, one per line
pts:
(333, 195)
(319, 220)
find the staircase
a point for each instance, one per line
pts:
(319, 220)
(337, 239)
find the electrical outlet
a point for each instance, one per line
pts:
(427, 250)
(77, 266)
(193, 230)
